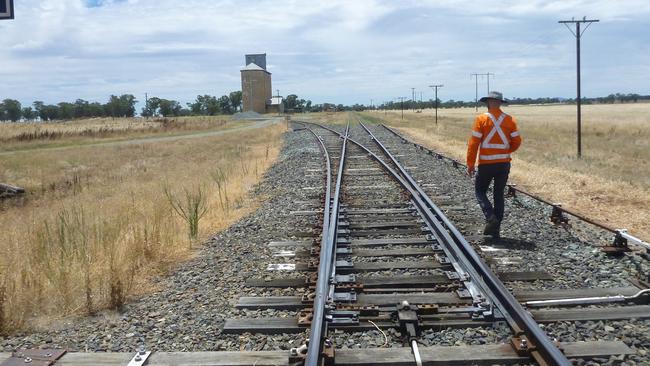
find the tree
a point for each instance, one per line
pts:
(122, 106)
(66, 110)
(169, 108)
(128, 102)
(196, 108)
(95, 109)
(291, 102)
(204, 105)
(29, 114)
(150, 109)
(224, 104)
(113, 106)
(49, 112)
(38, 107)
(81, 109)
(212, 106)
(12, 110)
(235, 100)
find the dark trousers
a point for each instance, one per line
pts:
(486, 174)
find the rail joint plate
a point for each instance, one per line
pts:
(34, 357)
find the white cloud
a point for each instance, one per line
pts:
(339, 51)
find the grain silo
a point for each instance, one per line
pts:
(255, 84)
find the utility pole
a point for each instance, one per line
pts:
(578, 34)
(488, 81)
(435, 87)
(412, 98)
(475, 76)
(402, 105)
(146, 105)
(371, 103)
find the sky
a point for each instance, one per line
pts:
(336, 51)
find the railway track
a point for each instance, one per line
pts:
(391, 259)
(388, 261)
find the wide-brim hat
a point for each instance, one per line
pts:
(494, 95)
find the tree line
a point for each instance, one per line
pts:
(119, 106)
(409, 104)
(208, 105)
(203, 105)
(295, 104)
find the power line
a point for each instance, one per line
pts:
(578, 34)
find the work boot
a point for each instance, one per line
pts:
(492, 227)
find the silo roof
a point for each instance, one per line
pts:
(253, 66)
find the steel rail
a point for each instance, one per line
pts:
(518, 319)
(622, 233)
(459, 264)
(318, 330)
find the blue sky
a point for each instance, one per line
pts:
(328, 51)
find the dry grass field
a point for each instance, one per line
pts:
(21, 136)
(610, 183)
(98, 222)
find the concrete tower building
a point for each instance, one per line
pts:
(255, 84)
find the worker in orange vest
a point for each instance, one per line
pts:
(495, 137)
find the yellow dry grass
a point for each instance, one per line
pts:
(97, 225)
(20, 136)
(610, 183)
(323, 117)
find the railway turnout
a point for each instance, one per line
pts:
(381, 213)
(386, 257)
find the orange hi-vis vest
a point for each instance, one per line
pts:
(495, 134)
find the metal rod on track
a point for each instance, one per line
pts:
(416, 352)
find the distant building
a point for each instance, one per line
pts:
(329, 107)
(275, 105)
(256, 87)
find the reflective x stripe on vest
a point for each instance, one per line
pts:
(496, 129)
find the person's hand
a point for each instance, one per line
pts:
(470, 171)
